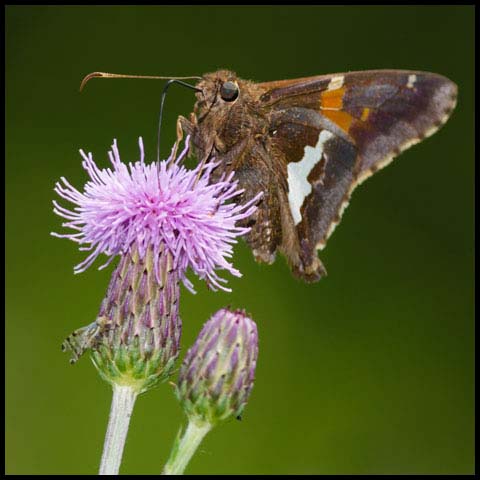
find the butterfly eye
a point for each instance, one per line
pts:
(229, 91)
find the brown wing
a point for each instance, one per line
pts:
(334, 131)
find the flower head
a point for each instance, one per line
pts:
(217, 373)
(158, 205)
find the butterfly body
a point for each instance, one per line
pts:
(307, 143)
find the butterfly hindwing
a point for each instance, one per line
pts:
(321, 165)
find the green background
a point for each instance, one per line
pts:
(368, 371)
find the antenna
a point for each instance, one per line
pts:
(121, 75)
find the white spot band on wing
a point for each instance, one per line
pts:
(298, 185)
(336, 82)
(411, 81)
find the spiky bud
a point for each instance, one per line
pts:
(217, 374)
(135, 338)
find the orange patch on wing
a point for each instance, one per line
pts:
(342, 119)
(332, 99)
(365, 114)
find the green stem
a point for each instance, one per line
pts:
(121, 410)
(184, 448)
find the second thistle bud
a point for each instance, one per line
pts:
(217, 374)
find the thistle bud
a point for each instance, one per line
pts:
(217, 374)
(135, 339)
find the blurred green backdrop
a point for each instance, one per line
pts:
(369, 371)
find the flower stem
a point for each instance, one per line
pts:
(184, 448)
(120, 412)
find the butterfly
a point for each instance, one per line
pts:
(307, 143)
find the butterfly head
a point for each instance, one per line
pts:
(219, 91)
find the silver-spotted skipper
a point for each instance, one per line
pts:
(307, 143)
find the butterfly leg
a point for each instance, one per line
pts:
(183, 125)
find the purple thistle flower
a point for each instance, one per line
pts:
(217, 373)
(156, 206)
